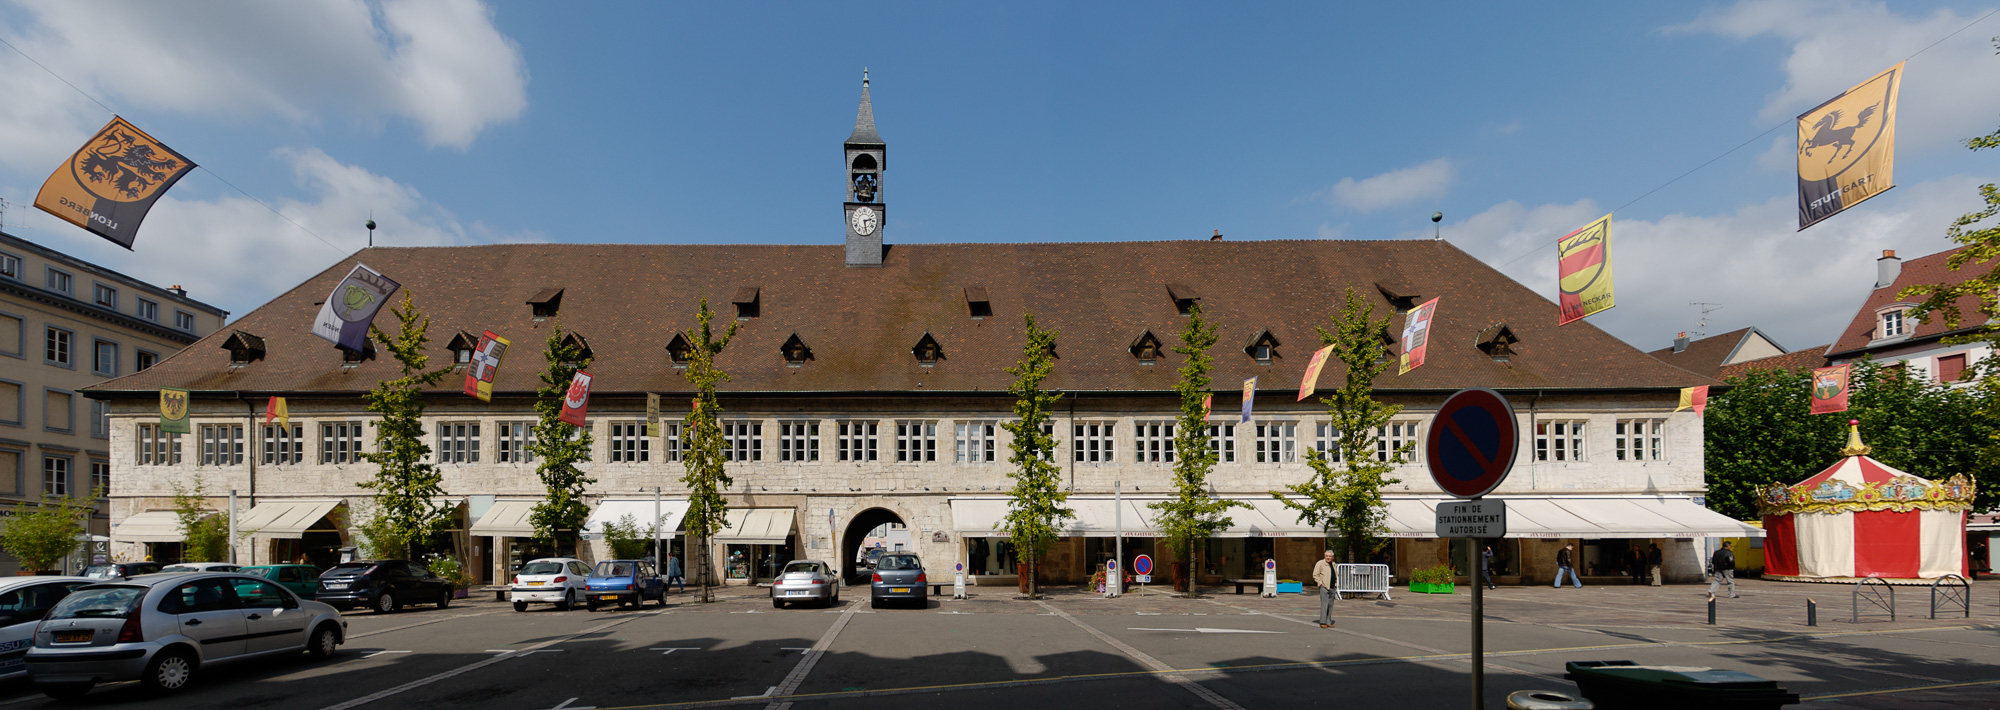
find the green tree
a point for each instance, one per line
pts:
(626, 539)
(204, 532)
(1193, 516)
(1347, 502)
(1035, 511)
(559, 446)
(407, 486)
(706, 477)
(42, 535)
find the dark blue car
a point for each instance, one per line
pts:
(624, 582)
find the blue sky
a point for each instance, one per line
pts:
(457, 123)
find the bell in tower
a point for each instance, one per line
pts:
(866, 158)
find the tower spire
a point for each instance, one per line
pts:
(864, 118)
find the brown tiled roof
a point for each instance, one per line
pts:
(1801, 359)
(1931, 269)
(1704, 356)
(630, 300)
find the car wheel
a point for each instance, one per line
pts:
(325, 640)
(590, 605)
(66, 691)
(520, 606)
(874, 603)
(568, 602)
(171, 670)
(444, 598)
(386, 604)
(777, 603)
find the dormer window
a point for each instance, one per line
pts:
(573, 339)
(927, 350)
(1185, 298)
(976, 303)
(746, 301)
(1401, 296)
(1263, 348)
(349, 358)
(1893, 324)
(461, 346)
(1146, 348)
(1388, 346)
(679, 350)
(243, 348)
(1497, 341)
(547, 303)
(795, 351)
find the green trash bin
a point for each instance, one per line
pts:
(1613, 685)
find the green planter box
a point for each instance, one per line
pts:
(1423, 588)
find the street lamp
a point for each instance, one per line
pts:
(657, 559)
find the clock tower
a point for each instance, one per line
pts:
(866, 156)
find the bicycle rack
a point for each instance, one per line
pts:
(1878, 593)
(1958, 594)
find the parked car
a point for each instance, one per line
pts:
(624, 582)
(200, 567)
(874, 554)
(562, 581)
(303, 580)
(898, 576)
(120, 570)
(382, 585)
(23, 603)
(806, 580)
(162, 629)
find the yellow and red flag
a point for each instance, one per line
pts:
(1847, 148)
(1417, 335)
(1695, 398)
(276, 409)
(1583, 265)
(1310, 383)
(1208, 406)
(1830, 386)
(108, 185)
(485, 364)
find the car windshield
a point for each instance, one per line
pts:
(345, 569)
(543, 567)
(99, 603)
(101, 571)
(895, 562)
(614, 569)
(804, 567)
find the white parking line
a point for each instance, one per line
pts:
(427, 622)
(378, 653)
(669, 650)
(566, 705)
(421, 682)
(806, 662)
(1166, 671)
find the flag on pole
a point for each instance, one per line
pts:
(173, 410)
(1830, 387)
(577, 401)
(109, 184)
(485, 364)
(1208, 406)
(275, 409)
(1249, 396)
(345, 315)
(1847, 148)
(1310, 383)
(1416, 335)
(652, 414)
(1695, 398)
(1583, 266)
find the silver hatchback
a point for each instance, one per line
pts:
(805, 580)
(160, 629)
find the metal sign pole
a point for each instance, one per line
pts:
(1478, 626)
(1118, 548)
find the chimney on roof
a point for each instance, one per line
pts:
(1681, 342)
(178, 291)
(1217, 237)
(1887, 269)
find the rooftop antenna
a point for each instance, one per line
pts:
(371, 228)
(1701, 326)
(1436, 217)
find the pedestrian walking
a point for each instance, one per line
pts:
(1722, 567)
(1653, 560)
(674, 576)
(1486, 566)
(1323, 576)
(1565, 563)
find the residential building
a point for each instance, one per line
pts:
(1883, 330)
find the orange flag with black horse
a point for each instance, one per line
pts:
(110, 183)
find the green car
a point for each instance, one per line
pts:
(303, 580)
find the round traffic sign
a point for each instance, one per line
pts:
(1471, 443)
(958, 567)
(1142, 564)
(1270, 565)
(1111, 564)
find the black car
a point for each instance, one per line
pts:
(382, 585)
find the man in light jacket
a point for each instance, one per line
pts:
(1323, 576)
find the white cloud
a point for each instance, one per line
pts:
(1396, 187)
(441, 64)
(1834, 45)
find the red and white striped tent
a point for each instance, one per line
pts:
(1862, 518)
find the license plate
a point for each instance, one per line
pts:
(73, 636)
(534, 584)
(800, 594)
(608, 598)
(900, 590)
(336, 585)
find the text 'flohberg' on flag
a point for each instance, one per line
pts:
(1416, 335)
(110, 183)
(1830, 386)
(576, 402)
(1583, 268)
(1695, 398)
(1310, 383)
(486, 358)
(1847, 148)
(347, 312)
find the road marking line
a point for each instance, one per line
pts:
(1205, 630)
(378, 653)
(794, 648)
(1885, 691)
(806, 663)
(421, 682)
(1166, 672)
(669, 650)
(566, 706)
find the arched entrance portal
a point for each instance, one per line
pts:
(850, 539)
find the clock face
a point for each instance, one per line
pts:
(864, 220)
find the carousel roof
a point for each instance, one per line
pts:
(1857, 470)
(1857, 482)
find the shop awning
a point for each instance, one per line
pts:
(285, 518)
(755, 526)
(1096, 516)
(641, 511)
(150, 526)
(507, 518)
(1592, 517)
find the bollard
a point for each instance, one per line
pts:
(1812, 613)
(1711, 610)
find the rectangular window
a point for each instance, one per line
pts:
(156, 447)
(1222, 442)
(13, 405)
(148, 310)
(1392, 437)
(13, 336)
(798, 441)
(184, 320)
(100, 419)
(58, 411)
(284, 446)
(104, 360)
(1277, 441)
(10, 266)
(1559, 440)
(457, 442)
(742, 441)
(974, 443)
(855, 440)
(515, 440)
(674, 440)
(339, 442)
(56, 347)
(1091, 441)
(629, 444)
(60, 282)
(221, 444)
(105, 296)
(1640, 439)
(100, 478)
(1326, 438)
(1153, 442)
(1892, 324)
(55, 476)
(1950, 367)
(144, 360)
(916, 441)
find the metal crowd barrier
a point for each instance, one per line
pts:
(1951, 591)
(1362, 579)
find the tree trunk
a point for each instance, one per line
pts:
(1194, 570)
(1034, 574)
(704, 569)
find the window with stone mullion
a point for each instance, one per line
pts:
(1222, 442)
(743, 441)
(916, 441)
(856, 440)
(1276, 441)
(1092, 442)
(798, 441)
(628, 443)
(339, 442)
(284, 445)
(1153, 442)
(1560, 440)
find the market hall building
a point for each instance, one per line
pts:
(869, 387)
